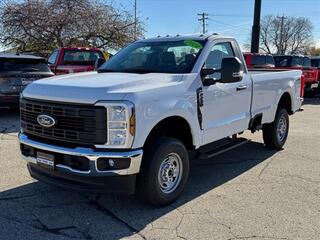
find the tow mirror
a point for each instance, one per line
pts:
(98, 63)
(205, 72)
(231, 70)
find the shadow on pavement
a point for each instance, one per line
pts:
(38, 211)
(312, 101)
(9, 120)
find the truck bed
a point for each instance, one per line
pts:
(269, 85)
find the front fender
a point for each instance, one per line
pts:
(148, 115)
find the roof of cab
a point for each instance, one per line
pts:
(198, 37)
(81, 49)
(19, 56)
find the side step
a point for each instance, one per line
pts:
(219, 147)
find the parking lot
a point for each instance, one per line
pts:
(249, 193)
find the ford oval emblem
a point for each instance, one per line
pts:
(46, 120)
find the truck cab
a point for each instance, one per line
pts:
(67, 60)
(130, 126)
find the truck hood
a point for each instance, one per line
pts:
(91, 87)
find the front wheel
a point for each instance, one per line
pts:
(275, 134)
(164, 172)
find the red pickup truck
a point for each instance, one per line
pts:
(258, 60)
(311, 79)
(74, 59)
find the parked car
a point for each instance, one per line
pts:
(315, 62)
(74, 59)
(311, 81)
(16, 72)
(133, 123)
(259, 60)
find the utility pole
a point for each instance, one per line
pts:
(255, 38)
(281, 33)
(203, 18)
(135, 20)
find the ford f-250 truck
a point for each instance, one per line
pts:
(131, 124)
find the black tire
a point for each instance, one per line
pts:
(149, 181)
(271, 136)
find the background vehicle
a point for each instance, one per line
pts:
(303, 63)
(315, 62)
(134, 122)
(74, 59)
(17, 71)
(259, 60)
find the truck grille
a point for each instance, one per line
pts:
(74, 123)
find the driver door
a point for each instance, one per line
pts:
(226, 109)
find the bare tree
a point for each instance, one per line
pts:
(34, 25)
(285, 35)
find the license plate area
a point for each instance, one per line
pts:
(45, 160)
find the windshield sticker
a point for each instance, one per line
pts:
(193, 44)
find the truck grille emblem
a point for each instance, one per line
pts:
(46, 120)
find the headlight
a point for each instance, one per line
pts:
(120, 124)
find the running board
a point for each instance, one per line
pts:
(220, 147)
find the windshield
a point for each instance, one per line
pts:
(156, 57)
(258, 60)
(80, 57)
(23, 65)
(306, 62)
(288, 61)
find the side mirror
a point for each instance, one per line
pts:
(98, 63)
(231, 70)
(206, 72)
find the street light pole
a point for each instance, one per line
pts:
(256, 27)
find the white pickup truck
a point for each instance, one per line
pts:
(133, 123)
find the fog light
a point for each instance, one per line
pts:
(108, 164)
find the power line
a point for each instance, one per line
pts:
(203, 18)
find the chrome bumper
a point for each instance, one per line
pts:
(93, 156)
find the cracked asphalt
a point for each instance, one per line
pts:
(248, 193)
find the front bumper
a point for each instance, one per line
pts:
(66, 176)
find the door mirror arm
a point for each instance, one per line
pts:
(206, 72)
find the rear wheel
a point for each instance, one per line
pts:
(164, 171)
(275, 134)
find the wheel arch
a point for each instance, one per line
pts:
(285, 102)
(173, 126)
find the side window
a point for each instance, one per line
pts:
(53, 57)
(217, 53)
(270, 60)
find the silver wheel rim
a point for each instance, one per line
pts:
(170, 173)
(282, 129)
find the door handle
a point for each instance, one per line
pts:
(242, 87)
